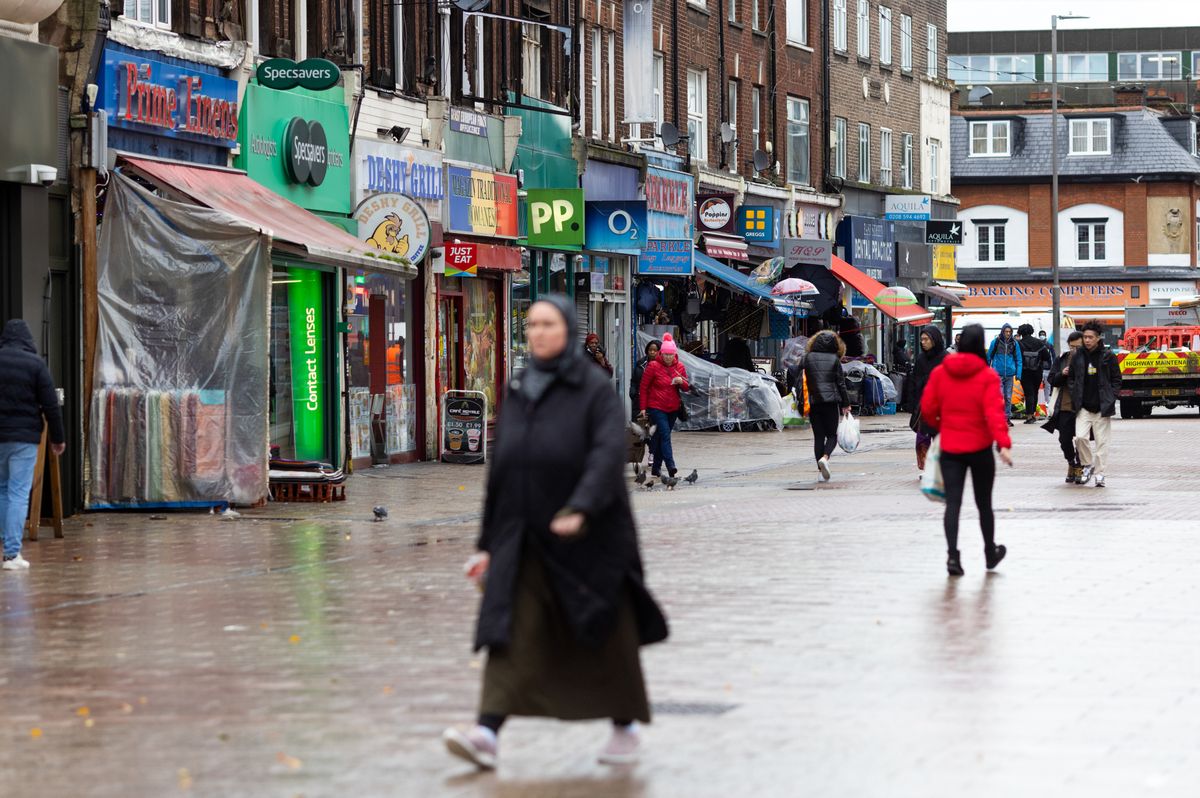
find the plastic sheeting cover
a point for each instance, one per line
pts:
(720, 395)
(179, 407)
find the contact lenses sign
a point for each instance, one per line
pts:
(306, 326)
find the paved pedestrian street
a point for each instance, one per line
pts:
(817, 648)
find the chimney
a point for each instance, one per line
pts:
(1129, 94)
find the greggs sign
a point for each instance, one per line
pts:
(173, 100)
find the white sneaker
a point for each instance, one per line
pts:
(622, 748)
(823, 467)
(1099, 480)
(478, 746)
(17, 563)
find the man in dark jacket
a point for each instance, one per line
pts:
(1035, 360)
(1094, 379)
(27, 402)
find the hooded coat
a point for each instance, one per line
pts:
(27, 392)
(962, 401)
(562, 447)
(823, 372)
(923, 368)
(1004, 355)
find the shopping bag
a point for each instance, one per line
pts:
(931, 478)
(848, 434)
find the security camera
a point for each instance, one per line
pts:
(46, 175)
(33, 173)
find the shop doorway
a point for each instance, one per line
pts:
(450, 344)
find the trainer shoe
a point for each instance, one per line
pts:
(1086, 475)
(15, 563)
(478, 746)
(622, 748)
(1099, 480)
(823, 467)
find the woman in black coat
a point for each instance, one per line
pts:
(828, 399)
(635, 382)
(565, 608)
(933, 352)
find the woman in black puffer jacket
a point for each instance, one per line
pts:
(827, 396)
(930, 356)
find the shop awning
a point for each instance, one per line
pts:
(870, 288)
(292, 229)
(730, 247)
(747, 285)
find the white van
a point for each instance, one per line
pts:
(994, 321)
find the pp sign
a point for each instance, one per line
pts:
(555, 217)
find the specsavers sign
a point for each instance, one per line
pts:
(298, 146)
(555, 217)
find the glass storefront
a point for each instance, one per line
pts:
(468, 336)
(302, 407)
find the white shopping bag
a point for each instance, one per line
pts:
(931, 478)
(848, 434)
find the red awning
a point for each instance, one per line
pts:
(730, 247)
(870, 288)
(292, 228)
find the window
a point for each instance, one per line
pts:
(1149, 66)
(838, 143)
(931, 51)
(1079, 67)
(990, 138)
(612, 91)
(906, 172)
(864, 28)
(658, 92)
(756, 117)
(151, 12)
(697, 105)
(1192, 145)
(885, 35)
(531, 61)
(1089, 237)
(990, 68)
(864, 152)
(797, 141)
(990, 237)
(756, 20)
(733, 115)
(597, 97)
(906, 42)
(839, 25)
(885, 157)
(732, 10)
(797, 22)
(935, 155)
(1090, 136)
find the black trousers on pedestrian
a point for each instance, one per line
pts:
(982, 465)
(824, 418)
(1066, 436)
(1031, 383)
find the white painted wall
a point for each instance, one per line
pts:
(935, 124)
(1016, 237)
(1114, 249)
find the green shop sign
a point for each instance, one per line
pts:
(306, 326)
(298, 146)
(555, 217)
(312, 73)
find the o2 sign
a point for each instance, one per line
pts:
(617, 226)
(555, 217)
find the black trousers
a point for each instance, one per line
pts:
(1031, 383)
(824, 418)
(982, 466)
(1066, 436)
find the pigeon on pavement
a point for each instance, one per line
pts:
(692, 478)
(380, 513)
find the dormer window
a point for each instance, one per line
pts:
(991, 139)
(1091, 136)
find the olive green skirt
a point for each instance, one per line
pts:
(546, 672)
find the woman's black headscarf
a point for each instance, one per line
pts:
(939, 343)
(534, 381)
(972, 341)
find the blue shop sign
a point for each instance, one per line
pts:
(615, 226)
(869, 245)
(756, 224)
(670, 203)
(177, 100)
(666, 257)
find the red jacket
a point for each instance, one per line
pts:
(962, 401)
(657, 392)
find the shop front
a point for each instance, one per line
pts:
(666, 298)
(868, 245)
(399, 192)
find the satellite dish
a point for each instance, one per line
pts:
(727, 133)
(762, 161)
(978, 95)
(471, 5)
(669, 134)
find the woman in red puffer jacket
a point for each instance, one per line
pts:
(964, 403)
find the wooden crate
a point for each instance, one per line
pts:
(308, 492)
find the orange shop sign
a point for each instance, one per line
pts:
(1035, 295)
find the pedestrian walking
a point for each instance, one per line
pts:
(828, 399)
(930, 356)
(595, 352)
(1046, 386)
(1094, 378)
(665, 379)
(962, 402)
(635, 382)
(28, 404)
(1004, 356)
(1035, 362)
(565, 607)
(1062, 409)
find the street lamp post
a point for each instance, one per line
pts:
(1056, 293)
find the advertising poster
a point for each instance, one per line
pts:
(464, 429)
(479, 351)
(306, 319)
(481, 202)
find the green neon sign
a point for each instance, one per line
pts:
(306, 325)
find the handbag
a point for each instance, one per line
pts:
(914, 419)
(683, 413)
(931, 478)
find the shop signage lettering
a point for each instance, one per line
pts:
(462, 260)
(613, 226)
(714, 213)
(666, 257)
(870, 245)
(945, 266)
(807, 251)
(668, 195)
(1037, 290)
(481, 202)
(464, 428)
(307, 330)
(939, 232)
(312, 73)
(395, 224)
(756, 223)
(471, 123)
(166, 99)
(308, 154)
(404, 176)
(555, 217)
(670, 205)
(1105, 294)
(907, 207)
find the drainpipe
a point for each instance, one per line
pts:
(722, 91)
(675, 62)
(826, 59)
